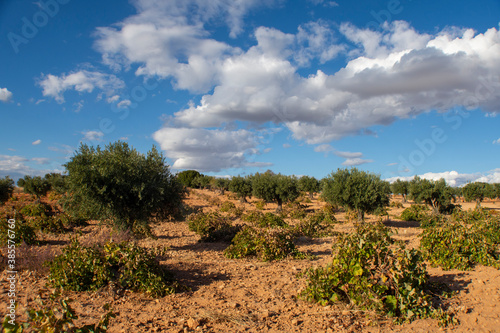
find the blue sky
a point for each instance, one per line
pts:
(397, 87)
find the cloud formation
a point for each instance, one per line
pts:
(390, 74)
(209, 150)
(5, 95)
(92, 135)
(453, 178)
(82, 81)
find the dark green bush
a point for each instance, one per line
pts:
(212, 227)
(266, 244)
(371, 273)
(6, 188)
(81, 268)
(121, 185)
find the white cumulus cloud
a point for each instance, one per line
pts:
(92, 135)
(82, 81)
(5, 95)
(208, 150)
(454, 178)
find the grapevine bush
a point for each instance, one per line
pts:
(371, 272)
(128, 266)
(469, 238)
(265, 244)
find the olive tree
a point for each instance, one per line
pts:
(356, 190)
(221, 185)
(242, 186)
(57, 182)
(120, 184)
(36, 186)
(6, 188)
(275, 188)
(401, 187)
(435, 193)
(187, 177)
(477, 191)
(202, 181)
(309, 184)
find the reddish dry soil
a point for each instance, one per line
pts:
(247, 295)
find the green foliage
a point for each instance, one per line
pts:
(36, 209)
(227, 206)
(19, 231)
(36, 186)
(396, 204)
(436, 194)
(270, 220)
(212, 227)
(266, 244)
(477, 192)
(318, 224)
(202, 181)
(260, 205)
(50, 224)
(57, 317)
(242, 186)
(308, 184)
(187, 177)
(295, 210)
(57, 182)
(373, 275)
(128, 266)
(468, 239)
(6, 188)
(356, 190)
(221, 184)
(123, 185)
(414, 213)
(401, 187)
(275, 188)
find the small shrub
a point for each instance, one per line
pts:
(253, 216)
(81, 268)
(270, 220)
(266, 244)
(456, 245)
(432, 220)
(36, 210)
(57, 317)
(260, 205)
(396, 204)
(414, 213)
(319, 224)
(50, 224)
(212, 227)
(21, 231)
(295, 210)
(373, 275)
(226, 206)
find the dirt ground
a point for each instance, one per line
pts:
(246, 295)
